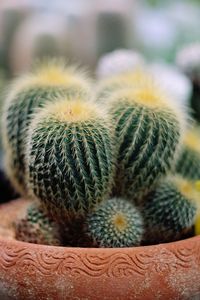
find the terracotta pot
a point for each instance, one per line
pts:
(29, 271)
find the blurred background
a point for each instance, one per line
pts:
(82, 31)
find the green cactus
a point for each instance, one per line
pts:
(37, 227)
(171, 210)
(148, 132)
(70, 157)
(27, 94)
(115, 223)
(188, 163)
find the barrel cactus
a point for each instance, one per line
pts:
(171, 210)
(115, 223)
(37, 227)
(188, 163)
(70, 157)
(148, 130)
(27, 93)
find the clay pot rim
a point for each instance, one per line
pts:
(178, 244)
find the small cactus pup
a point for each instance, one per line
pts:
(37, 227)
(148, 130)
(188, 60)
(115, 223)
(171, 210)
(27, 93)
(130, 79)
(188, 162)
(70, 157)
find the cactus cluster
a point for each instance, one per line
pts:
(106, 165)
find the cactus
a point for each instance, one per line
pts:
(115, 83)
(37, 227)
(148, 132)
(27, 94)
(70, 157)
(171, 210)
(188, 163)
(115, 223)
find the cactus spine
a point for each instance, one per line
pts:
(171, 210)
(115, 223)
(28, 94)
(70, 157)
(148, 131)
(37, 227)
(188, 163)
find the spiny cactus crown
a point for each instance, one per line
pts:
(71, 144)
(115, 223)
(71, 110)
(51, 73)
(138, 78)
